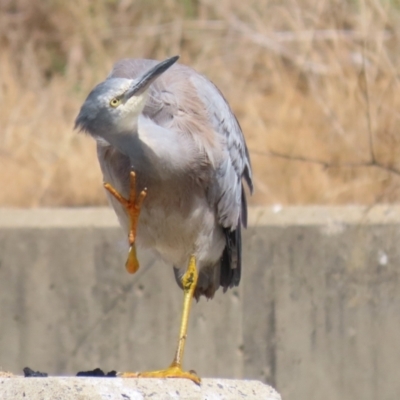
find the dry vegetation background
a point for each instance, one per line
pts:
(314, 84)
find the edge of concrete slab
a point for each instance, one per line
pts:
(276, 215)
(324, 215)
(72, 388)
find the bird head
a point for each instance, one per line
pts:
(113, 106)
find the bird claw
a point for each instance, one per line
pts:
(174, 371)
(132, 206)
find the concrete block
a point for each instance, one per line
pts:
(316, 314)
(321, 302)
(132, 389)
(68, 304)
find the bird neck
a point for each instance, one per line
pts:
(124, 140)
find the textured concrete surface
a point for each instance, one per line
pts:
(316, 315)
(132, 389)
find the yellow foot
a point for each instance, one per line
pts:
(171, 372)
(132, 207)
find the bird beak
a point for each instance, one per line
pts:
(149, 77)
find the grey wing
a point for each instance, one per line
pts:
(228, 186)
(235, 165)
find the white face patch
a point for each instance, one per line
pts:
(128, 113)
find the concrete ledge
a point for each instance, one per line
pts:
(324, 215)
(316, 314)
(104, 217)
(64, 388)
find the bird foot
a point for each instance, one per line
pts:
(132, 206)
(174, 371)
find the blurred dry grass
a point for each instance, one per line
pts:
(313, 84)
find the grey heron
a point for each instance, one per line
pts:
(174, 159)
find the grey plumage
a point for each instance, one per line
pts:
(181, 138)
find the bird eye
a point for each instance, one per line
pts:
(115, 102)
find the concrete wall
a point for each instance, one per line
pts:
(317, 314)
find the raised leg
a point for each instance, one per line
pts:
(189, 282)
(132, 206)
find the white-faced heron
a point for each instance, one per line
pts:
(173, 157)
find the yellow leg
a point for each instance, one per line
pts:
(189, 282)
(132, 206)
